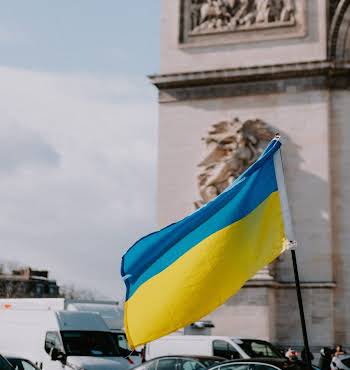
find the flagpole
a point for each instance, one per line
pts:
(291, 245)
(301, 310)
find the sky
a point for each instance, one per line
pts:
(78, 136)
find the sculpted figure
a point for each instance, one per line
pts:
(263, 10)
(195, 13)
(213, 14)
(222, 13)
(287, 13)
(232, 146)
(208, 14)
(231, 6)
(208, 10)
(245, 14)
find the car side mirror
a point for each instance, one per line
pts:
(54, 354)
(57, 355)
(62, 357)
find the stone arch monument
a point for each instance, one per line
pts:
(234, 72)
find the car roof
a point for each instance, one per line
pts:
(266, 360)
(191, 357)
(13, 356)
(272, 360)
(199, 357)
(341, 357)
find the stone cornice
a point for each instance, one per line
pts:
(328, 69)
(289, 285)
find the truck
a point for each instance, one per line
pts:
(209, 345)
(56, 340)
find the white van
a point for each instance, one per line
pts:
(227, 347)
(57, 340)
(110, 312)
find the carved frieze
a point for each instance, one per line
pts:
(231, 147)
(201, 19)
(233, 15)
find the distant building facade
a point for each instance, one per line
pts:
(232, 74)
(28, 283)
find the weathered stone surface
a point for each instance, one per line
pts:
(318, 305)
(340, 171)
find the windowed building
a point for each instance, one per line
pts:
(28, 283)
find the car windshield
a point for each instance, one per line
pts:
(20, 364)
(346, 361)
(123, 345)
(259, 348)
(89, 343)
(4, 365)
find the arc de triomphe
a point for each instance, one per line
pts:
(233, 72)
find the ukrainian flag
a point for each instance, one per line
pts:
(183, 272)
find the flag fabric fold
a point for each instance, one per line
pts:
(181, 273)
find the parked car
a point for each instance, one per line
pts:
(261, 364)
(19, 363)
(4, 364)
(209, 345)
(341, 362)
(180, 363)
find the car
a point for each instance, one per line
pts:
(19, 363)
(210, 345)
(341, 362)
(261, 364)
(180, 363)
(4, 364)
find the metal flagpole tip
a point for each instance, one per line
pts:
(289, 245)
(292, 244)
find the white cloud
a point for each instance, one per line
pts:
(80, 186)
(20, 146)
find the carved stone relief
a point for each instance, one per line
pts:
(231, 147)
(225, 21)
(233, 15)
